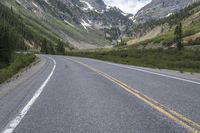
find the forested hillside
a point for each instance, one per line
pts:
(15, 35)
(11, 34)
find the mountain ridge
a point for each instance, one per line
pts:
(158, 9)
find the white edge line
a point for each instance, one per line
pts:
(10, 127)
(146, 71)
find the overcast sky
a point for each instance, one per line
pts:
(128, 6)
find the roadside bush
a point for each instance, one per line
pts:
(18, 62)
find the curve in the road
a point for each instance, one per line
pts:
(10, 127)
(177, 117)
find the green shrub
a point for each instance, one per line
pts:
(18, 62)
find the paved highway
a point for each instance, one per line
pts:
(79, 95)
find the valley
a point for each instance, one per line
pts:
(97, 66)
(82, 24)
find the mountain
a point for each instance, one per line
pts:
(160, 33)
(82, 23)
(99, 5)
(161, 8)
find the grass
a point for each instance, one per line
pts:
(186, 60)
(18, 62)
(38, 28)
(192, 29)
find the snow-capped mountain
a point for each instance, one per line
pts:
(89, 15)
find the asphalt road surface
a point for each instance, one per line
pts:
(79, 95)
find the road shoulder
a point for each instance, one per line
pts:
(22, 76)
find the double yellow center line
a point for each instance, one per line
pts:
(190, 125)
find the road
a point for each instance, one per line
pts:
(79, 95)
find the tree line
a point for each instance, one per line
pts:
(13, 32)
(47, 48)
(10, 37)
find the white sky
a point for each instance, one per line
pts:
(128, 6)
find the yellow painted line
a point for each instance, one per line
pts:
(188, 124)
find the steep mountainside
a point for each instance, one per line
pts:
(161, 8)
(83, 23)
(160, 33)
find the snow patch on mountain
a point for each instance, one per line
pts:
(89, 6)
(69, 23)
(47, 2)
(35, 5)
(168, 14)
(18, 2)
(85, 25)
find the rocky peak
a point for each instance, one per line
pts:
(161, 8)
(97, 4)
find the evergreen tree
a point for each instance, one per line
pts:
(51, 49)
(44, 48)
(178, 36)
(5, 45)
(60, 49)
(11, 34)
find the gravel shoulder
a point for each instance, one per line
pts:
(21, 76)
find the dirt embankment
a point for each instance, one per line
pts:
(151, 34)
(191, 38)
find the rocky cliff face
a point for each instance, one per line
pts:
(161, 8)
(83, 12)
(99, 5)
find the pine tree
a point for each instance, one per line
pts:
(51, 49)
(44, 48)
(60, 49)
(5, 45)
(178, 36)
